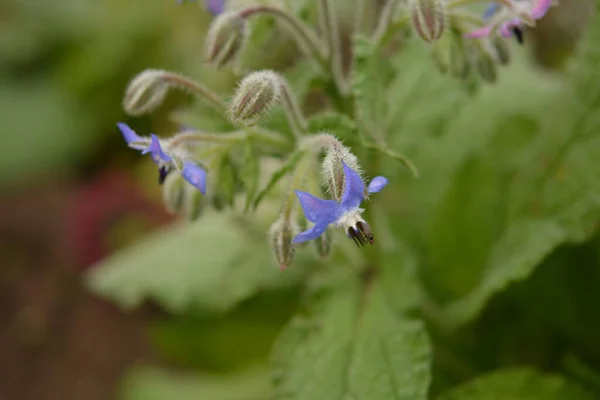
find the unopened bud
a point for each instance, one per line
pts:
(145, 92)
(172, 191)
(281, 234)
(442, 53)
(181, 198)
(256, 95)
(324, 244)
(428, 18)
(460, 66)
(332, 168)
(193, 202)
(501, 50)
(226, 38)
(486, 67)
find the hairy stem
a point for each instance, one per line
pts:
(300, 173)
(294, 114)
(198, 89)
(304, 35)
(361, 7)
(385, 20)
(259, 134)
(330, 27)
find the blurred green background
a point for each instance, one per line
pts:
(73, 193)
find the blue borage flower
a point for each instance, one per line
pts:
(191, 172)
(512, 20)
(215, 7)
(346, 214)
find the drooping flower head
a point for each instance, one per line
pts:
(166, 157)
(345, 214)
(511, 20)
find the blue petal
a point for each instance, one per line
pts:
(215, 7)
(354, 188)
(317, 210)
(491, 10)
(378, 183)
(128, 134)
(156, 151)
(312, 233)
(194, 175)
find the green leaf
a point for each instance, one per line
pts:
(211, 265)
(370, 84)
(352, 345)
(525, 183)
(517, 383)
(151, 383)
(277, 175)
(338, 124)
(227, 178)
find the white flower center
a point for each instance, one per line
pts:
(350, 219)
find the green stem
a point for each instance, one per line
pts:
(461, 18)
(198, 89)
(330, 27)
(385, 20)
(304, 35)
(302, 169)
(360, 15)
(295, 116)
(259, 134)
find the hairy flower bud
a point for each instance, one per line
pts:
(324, 244)
(193, 202)
(443, 52)
(487, 68)
(332, 168)
(145, 92)
(181, 198)
(226, 38)
(501, 50)
(428, 18)
(256, 95)
(172, 191)
(281, 234)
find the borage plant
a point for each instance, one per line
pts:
(284, 161)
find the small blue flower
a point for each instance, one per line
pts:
(134, 140)
(346, 214)
(191, 172)
(215, 7)
(195, 175)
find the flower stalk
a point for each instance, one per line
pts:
(303, 34)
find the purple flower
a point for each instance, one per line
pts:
(191, 172)
(195, 175)
(511, 20)
(215, 7)
(346, 214)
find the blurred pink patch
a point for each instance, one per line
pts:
(479, 33)
(97, 209)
